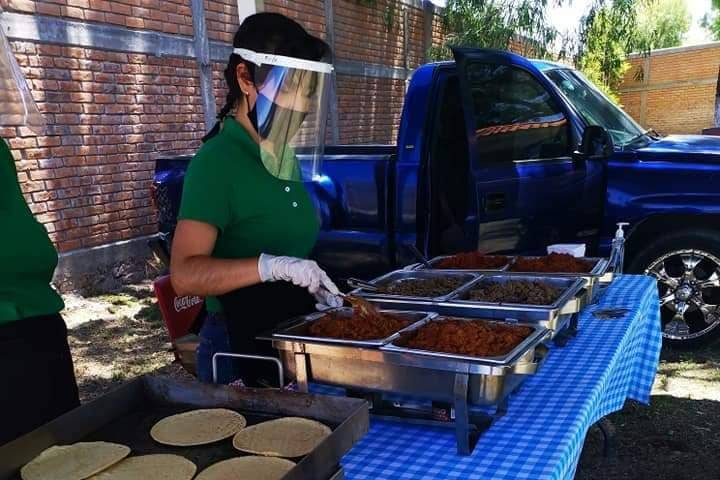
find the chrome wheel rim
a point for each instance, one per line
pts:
(689, 289)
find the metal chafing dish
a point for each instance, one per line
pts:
(601, 273)
(126, 415)
(298, 329)
(460, 381)
(434, 261)
(556, 317)
(403, 275)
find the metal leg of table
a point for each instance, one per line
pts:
(462, 417)
(608, 431)
(301, 372)
(568, 333)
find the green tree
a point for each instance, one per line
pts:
(711, 21)
(661, 23)
(497, 24)
(607, 35)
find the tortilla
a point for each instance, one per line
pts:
(198, 427)
(246, 468)
(289, 437)
(74, 462)
(155, 467)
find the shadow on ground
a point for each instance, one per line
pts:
(677, 437)
(124, 338)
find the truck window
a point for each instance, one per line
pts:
(515, 117)
(594, 107)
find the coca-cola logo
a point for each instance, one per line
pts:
(183, 303)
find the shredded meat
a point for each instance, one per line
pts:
(515, 291)
(553, 263)
(472, 260)
(424, 287)
(466, 337)
(374, 326)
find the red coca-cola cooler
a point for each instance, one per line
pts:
(179, 313)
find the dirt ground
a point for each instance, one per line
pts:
(677, 437)
(119, 336)
(116, 337)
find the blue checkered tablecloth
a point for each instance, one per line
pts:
(542, 434)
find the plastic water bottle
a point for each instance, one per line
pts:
(617, 256)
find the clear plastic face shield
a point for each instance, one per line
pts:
(291, 113)
(17, 106)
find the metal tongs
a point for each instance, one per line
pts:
(362, 284)
(362, 307)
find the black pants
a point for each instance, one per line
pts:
(37, 380)
(252, 311)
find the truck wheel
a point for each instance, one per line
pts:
(687, 268)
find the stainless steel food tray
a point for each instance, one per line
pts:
(410, 373)
(436, 260)
(554, 317)
(506, 359)
(126, 415)
(477, 381)
(600, 274)
(401, 275)
(298, 330)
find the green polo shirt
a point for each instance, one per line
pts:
(27, 257)
(227, 186)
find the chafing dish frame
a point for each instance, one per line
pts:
(438, 377)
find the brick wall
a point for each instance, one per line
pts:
(169, 16)
(369, 109)
(221, 19)
(673, 90)
(110, 115)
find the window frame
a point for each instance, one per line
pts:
(484, 159)
(468, 56)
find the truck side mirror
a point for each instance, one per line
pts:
(596, 143)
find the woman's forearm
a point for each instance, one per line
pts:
(204, 275)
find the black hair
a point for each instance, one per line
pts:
(267, 33)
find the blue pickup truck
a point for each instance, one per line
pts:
(504, 154)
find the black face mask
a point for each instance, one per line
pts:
(278, 121)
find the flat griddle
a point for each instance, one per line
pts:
(127, 414)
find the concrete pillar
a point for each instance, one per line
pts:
(247, 8)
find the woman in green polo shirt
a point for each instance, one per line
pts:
(37, 381)
(246, 222)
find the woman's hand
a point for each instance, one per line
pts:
(303, 273)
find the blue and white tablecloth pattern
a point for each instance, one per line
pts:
(542, 434)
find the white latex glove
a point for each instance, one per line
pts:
(303, 273)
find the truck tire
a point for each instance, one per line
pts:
(687, 267)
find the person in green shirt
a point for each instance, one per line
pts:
(37, 380)
(246, 223)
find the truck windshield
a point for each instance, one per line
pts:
(595, 108)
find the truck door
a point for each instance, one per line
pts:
(526, 189)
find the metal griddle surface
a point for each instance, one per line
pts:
(132, 428)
